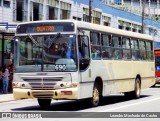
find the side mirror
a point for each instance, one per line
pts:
(84, 40)
(84, 49)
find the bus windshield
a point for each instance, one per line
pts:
(45, 53)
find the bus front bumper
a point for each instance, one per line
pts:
(68, 93)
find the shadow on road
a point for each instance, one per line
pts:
(76, 105)
(156, 86)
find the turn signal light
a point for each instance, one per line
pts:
(75, 84)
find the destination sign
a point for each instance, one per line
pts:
(45, 27)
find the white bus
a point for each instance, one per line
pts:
(67, 59)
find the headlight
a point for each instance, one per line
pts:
(20, 85)
(16, 84)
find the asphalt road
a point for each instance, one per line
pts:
(113, 106)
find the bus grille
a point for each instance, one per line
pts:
(43, 94)
(42, 83)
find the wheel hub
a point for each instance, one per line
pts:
(95, 96)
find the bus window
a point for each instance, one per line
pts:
(106, 40)
(117, 50)
(126, 48)
(149, 51)
(106, 46)
(115, 41)
(95, 38)
(143, 53)
(117, 53)
(135, 49)
(95, 45)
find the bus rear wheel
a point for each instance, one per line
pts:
(44, 102)
(137, 90)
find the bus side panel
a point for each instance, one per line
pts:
(148, 74)
(117, 75)
(125, 73)
(114, 75)
(120, 76)
(85, 90)
(96, 69)
(147, 82)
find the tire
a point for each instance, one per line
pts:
(137, 90)
(95, 96)
(44, 102)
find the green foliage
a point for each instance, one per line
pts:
(112, 3)
(157, 18)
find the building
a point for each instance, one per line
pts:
(13, 12)
(152, 7)
(122, 18)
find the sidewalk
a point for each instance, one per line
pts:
(6, 98)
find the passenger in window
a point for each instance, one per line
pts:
(95, 53)
(105, 54)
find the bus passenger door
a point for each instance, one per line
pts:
(84, 60)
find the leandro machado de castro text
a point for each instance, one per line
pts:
(133, 115)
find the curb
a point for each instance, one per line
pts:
(8, 100)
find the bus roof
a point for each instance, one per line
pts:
(113, 30)
(96, 27)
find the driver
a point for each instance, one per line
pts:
(73, 53)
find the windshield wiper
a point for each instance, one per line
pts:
(33, 40)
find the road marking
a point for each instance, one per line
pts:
(146, 101)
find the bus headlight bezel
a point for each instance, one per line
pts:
(20, 85)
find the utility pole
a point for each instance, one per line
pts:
(143, 9)
(90, 11)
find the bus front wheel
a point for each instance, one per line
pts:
(44, 102)
(95, 96)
